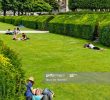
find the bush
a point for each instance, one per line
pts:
(8, 19)
(104, 36)
(2, 18)
(30, 22)
(43, 22)
(35, 22)
(17, 20)
(7, 79)
(78, 25)
(14, 68)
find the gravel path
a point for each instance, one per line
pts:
(29, 32)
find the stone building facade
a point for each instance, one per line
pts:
(63, 5)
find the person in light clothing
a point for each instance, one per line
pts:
(91, 46)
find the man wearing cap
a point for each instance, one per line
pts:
(29, 85)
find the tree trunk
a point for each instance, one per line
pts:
(18, 12)
(22, 13)
(14, 12)
(4, 12)
(25, 13)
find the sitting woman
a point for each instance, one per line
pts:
(18, 30)
(91, 46)
(15, 36)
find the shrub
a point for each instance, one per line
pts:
(1, 18)
(16, 68)
(78, 25)
(7, 79)
(35, 22)
(16, 20)
(104, 36)
(43, 22)
(8, 19)
(30, 22)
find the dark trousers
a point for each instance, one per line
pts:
(28, 98)
(96, 48)
(47, 97)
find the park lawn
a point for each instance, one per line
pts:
(5, 26)
(57, 53)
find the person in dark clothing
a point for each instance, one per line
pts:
(8, 32)
(24, 37)
(96, 32)
(29, 87)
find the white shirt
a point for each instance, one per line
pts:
(91, 46)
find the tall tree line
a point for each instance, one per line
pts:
(24, 6)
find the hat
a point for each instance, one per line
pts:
(31, 79)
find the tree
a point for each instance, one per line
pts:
(5, 6)
(53, 3)
(40, 6)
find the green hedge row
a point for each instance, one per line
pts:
(78, 25)
(83, 26)
(104, 36)
(35, 22)
(12, 77)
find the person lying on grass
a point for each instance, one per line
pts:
(39, 94)
(8, 32)
(29, 87)
(91, 46)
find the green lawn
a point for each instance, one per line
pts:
(56, 53)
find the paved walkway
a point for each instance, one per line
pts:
(29, 31)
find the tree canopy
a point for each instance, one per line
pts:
(22, 6)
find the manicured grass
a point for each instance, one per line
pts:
(5, 26)
(53, 53)
(56, 53)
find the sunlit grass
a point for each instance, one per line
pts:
(55, 53)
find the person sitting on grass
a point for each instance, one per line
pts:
(14, 31)
(18, 30)
(8, 32)
(15, 36)
(24, 37)
(91, 46)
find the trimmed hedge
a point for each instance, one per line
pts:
(30, 22)
(35, 22)
(78, 25)
(104, 35)
(43, 22)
